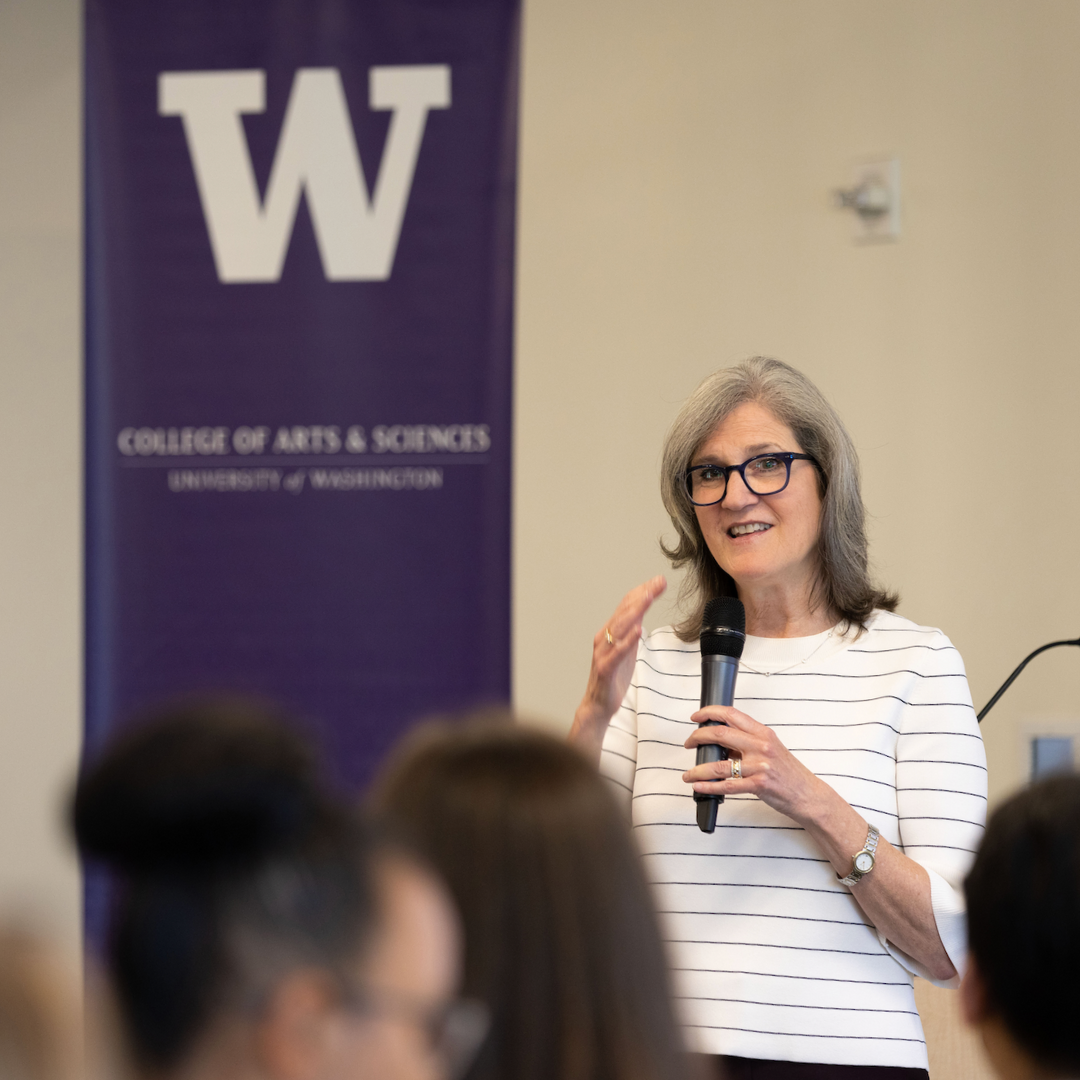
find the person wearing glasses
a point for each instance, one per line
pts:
(855, 789)
(260, 931)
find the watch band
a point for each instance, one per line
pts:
(869, 848)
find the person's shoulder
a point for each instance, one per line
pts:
(936, 671)
(664, 639)
(886, 631)
(889, 622)
(662, 653)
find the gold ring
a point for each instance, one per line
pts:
(736, 768)
(607, 634)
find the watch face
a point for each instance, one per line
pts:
(864, 862)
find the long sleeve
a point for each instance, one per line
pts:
(618, 761)
(941, 789)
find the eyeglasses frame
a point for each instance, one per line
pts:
(368, 1001)
(786, 456)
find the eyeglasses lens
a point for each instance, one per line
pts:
(766, 475)
(707, 484)
(459, 1033)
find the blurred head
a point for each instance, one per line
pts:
(259, 928)
(818, 520)
(39, 1029)
(1023, 900)
(561, 937)
(399, 1018)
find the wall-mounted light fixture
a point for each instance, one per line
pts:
(875, 198)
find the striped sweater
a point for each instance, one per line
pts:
(772, 956)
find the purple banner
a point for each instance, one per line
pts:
(300, 221)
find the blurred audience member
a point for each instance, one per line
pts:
(1022, 987)
(39, 1029)
(260, 933)
(561, 940)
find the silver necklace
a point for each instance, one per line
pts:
(799, 663)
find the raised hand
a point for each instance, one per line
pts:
(614, 653)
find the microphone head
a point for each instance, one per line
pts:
(723, 627)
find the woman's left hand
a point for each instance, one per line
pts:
(769, 770)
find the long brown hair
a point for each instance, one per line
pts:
(561, 938)
(843, 586)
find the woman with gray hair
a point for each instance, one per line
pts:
(855, 786)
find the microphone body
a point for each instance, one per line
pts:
(722, 639)
(717, 684)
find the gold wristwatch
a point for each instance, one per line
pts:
(863, 862)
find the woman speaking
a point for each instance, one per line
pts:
(855, 791)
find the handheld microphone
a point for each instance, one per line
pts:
(723, 635)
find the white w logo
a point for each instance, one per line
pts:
(316, 154)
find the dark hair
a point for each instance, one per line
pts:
(843, 586)
(234, 867)
(561, 940)
(1023, 900)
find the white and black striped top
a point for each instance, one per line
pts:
(772, 956)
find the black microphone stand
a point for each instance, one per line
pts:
(1020, 667)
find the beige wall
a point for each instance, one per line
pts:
(677, 164)
(677, 160)
(41, 426)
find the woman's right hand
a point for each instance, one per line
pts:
(612, 667)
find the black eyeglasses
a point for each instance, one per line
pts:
(454, 1030)
(766, 474)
